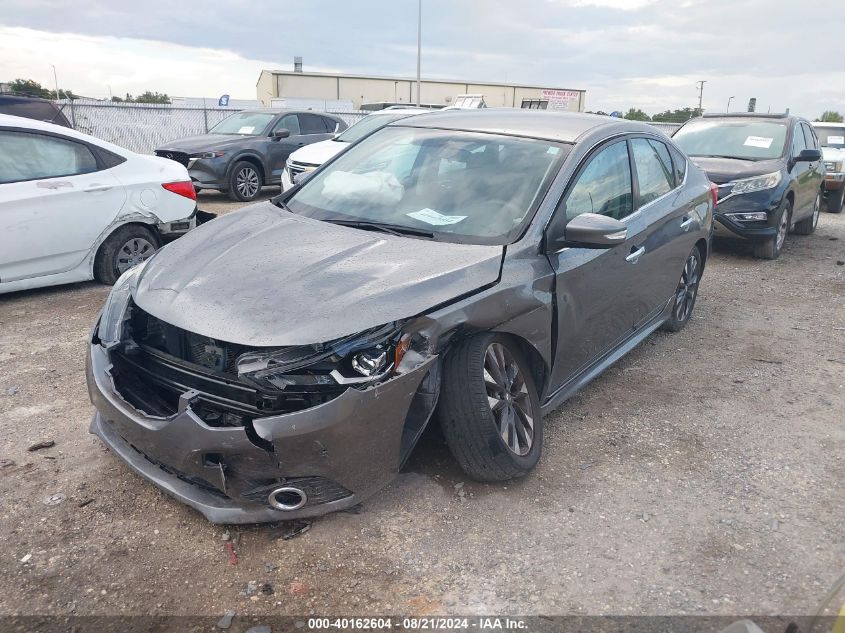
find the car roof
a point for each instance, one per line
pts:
(777, 117)
(8, 120)
(566, 127)
(275, 111)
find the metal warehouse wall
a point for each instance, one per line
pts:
(361, 90)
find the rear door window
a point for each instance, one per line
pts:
(603, 186)
(679, 165)
(655, 174)
(311, 124)
(27, 156)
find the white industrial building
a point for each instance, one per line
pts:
(357, 91)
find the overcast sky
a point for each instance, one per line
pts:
(625, 53)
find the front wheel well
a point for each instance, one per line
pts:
(254, 161)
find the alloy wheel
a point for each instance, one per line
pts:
(687, 289)
(133, 252)
(783, 229)
(247, 182)
(509, 400)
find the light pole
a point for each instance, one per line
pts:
(701, 95)
(55, 81)
(419, 46)
(728, 109)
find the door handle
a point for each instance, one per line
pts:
(97, 187)
(687, 223)
(635, 255)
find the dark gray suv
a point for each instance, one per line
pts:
(249, 149)
(475, 267)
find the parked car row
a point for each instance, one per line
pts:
(472, 267)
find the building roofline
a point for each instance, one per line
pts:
(459, 82)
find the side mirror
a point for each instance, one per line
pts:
(281, 133)
(590, 230)
(808, 156)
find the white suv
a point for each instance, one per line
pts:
(307, 159)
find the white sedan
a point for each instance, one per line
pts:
(74, 208)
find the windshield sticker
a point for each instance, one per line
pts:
(836, 140)
(553, 150)
(247, 129)
(759, 141)
(430, 216)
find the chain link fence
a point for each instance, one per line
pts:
(142, 127)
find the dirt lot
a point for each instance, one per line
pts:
(702, 474)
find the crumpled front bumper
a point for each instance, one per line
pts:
(349, 445)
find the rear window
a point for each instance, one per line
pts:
(34, 109)
(747, 139)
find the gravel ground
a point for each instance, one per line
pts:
(703, 474)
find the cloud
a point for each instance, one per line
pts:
(625, 53)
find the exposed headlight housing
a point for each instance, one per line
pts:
(360, 359)
(110, 330)
(834, 166)
(757, 183)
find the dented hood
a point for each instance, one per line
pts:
(267, 277)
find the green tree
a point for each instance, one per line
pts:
(30, 88)
(676, 116)
(635, 114)
(830, 116)
(152, 97)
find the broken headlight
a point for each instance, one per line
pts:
(114, 312)
(359, 359)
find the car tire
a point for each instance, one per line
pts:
(128, 246)
(836, 200)
(687, 292)
(808, 225)
(478, 400)
(244, 182)
(771, 248)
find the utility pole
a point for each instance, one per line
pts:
(419, 46)
(55, 81)
(728, 109)
(701, 95)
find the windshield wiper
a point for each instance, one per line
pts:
(392, 229)
(724, 156)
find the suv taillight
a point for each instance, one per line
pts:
(182, 188)
(714, 193)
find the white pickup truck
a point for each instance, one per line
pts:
(832, 141)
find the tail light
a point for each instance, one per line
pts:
(182, 188)
(714, 193)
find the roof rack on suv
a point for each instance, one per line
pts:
(758, 115)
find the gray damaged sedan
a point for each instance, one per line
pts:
(473, 268)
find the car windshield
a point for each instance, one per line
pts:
(454, 186)
(369, 124)
(251, 123)
(741, 138)
(831, 136)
